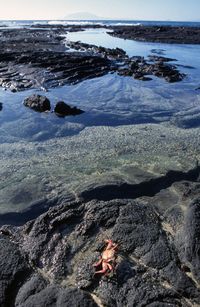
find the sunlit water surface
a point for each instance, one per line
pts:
(110, 100)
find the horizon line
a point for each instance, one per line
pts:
(103, 19)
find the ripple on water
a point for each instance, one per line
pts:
(43, 156)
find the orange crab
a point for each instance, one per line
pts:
(108, 257)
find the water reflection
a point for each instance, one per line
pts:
(33, 170)
(110, 100)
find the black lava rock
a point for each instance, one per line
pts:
(63, 109)
(38, 103)
(191, 244)
(13, 271)
(155, 265)
(53, 295)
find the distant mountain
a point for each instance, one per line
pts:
(83, 16)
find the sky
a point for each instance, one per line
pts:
(180, 10)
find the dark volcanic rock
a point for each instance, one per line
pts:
(169, 72)
(66, 241)
(63, 109)
(139, 68)
(38, 103)
(161, 34)
(190, 239)
(37, 58)
(53, 295)
(116, 53)
(13, 271)
(33, 286)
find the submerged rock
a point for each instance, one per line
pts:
(63, 109)
(38, 103)
(188, 118)
(1, 106)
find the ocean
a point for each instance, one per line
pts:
(22, 23)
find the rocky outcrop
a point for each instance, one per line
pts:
(38, 292)
(20, 286)
(37, 58)
(189, 240)
(38, 103)
(116, 53)
(62, 109)
(41, 104)
(139, 68)
(157, 261)
(14, 270)
(160, 34)
(136, 66)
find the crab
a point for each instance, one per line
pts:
(108, 257)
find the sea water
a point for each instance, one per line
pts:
(110, 100)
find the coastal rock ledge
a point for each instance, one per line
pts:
(49, 261)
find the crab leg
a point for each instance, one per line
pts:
(98, 263)
(110, 244)
(105, 268)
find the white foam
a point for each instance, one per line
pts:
(126, 24)
(73, 22)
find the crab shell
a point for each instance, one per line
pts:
(109, 255)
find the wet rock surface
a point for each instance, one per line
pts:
(136, 66)
(38, 58)
(139, 68)
(157, 262)
(62, 109)
(187, 118)
(159, 34)
(38, 103)
(116, 53)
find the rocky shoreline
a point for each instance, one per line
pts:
(149, 209)
(38, 58)
(159, 34)
(49, 261)
(138, 185)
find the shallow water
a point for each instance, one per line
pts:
(110, 100)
